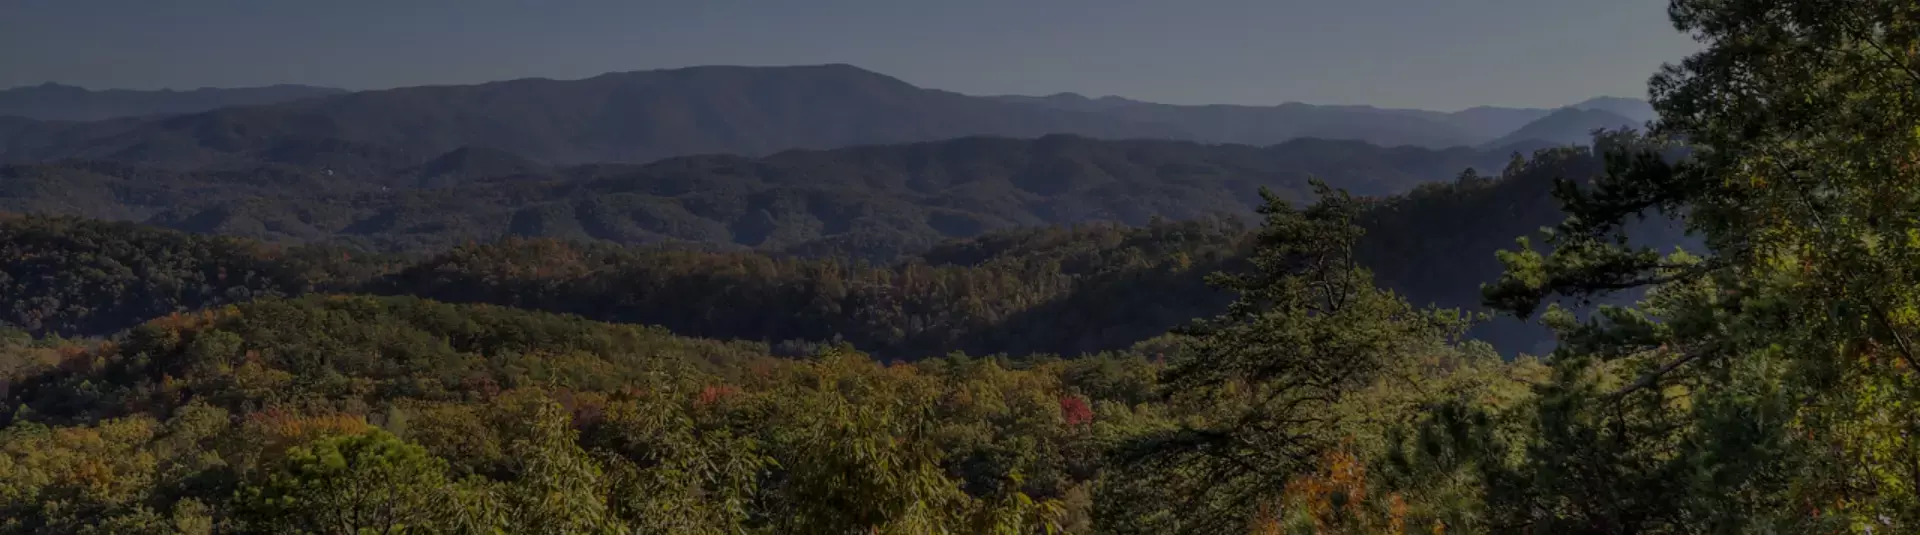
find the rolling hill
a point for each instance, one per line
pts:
(1054, 289)
(868, 200)
(57, 102)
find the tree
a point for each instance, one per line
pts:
(1770, 384)
(368, 483)
(1307, 330)
(857, 455)
(557, 487)
(672, 475)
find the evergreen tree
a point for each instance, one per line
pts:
(1769, 385)
(1308, 330)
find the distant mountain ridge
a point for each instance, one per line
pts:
(642, 116)
(1565, 126)
(1638, 110)
(619, 117)
(1266, 125)
(1489, 126)
(57, 102)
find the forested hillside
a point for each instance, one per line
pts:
(1062, 290)
(1003, 336)
(474, 419)
(876, 202)
(76, 277)
(249, 417)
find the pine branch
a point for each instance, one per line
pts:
(1648, 379)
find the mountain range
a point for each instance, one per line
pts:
(637, 117)
(1493, 127)
(1064, 289)
(871, 201)
(827, 161)
(57, 102)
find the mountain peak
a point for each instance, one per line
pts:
(1604, 100)
(775, 74)
(1632, 108)
(1566, 126)
(629, 117)
(834, 68)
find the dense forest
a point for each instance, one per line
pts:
(876, 202)
(1732, 299)
(1057, 290)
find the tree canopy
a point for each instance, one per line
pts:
(1733, 299)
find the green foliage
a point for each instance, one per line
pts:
(1765, 385)
(1067, 291)
(78, 277)
(1265, 379)
(355, 484)
(1061, 291)
(589, 426)
(674, 472)
(497, 420)
(1764, 381)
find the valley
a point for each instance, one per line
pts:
(371, 272)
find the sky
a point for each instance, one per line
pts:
(1432, 54)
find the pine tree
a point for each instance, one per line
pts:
(1308, 330)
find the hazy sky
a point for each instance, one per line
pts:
(1437, 54)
